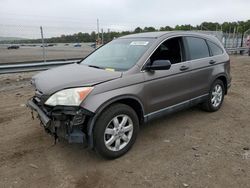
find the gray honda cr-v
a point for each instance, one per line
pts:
(104, 98)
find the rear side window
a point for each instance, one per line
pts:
(214, 48)
(197, 48)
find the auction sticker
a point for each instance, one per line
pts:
(139, 43)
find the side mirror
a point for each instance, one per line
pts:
(159, 65)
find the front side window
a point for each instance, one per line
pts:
(214, 48)
(170, 50)
(197, 48)
(119, 54)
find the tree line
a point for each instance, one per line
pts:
(226, 27)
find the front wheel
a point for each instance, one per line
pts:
(215, 98)
(115, 131)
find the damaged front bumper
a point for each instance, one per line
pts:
(64, 122)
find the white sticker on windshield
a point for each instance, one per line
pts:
(139, 43)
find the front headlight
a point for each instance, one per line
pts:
(69, 97)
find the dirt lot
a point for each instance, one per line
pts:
(36, 54)
(191, 148)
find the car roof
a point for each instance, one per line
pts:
(159, 34)
(147, 35)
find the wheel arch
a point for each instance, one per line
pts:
(223, 78)
(129, 100)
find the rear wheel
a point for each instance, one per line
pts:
(216, 97)
(115, 131)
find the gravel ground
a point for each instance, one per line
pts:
(191, 148)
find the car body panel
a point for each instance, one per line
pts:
(168, 87)
(131, 85)
(68, 76)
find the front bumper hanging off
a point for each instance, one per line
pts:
(42, 116)
(69, 124)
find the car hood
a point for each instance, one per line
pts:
(68, 76)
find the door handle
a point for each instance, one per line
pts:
(183, 68)
(212, 62)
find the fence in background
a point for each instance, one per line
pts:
(230, 40)
(73, 48)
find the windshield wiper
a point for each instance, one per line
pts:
(94, 66)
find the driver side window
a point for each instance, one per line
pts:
(171, 49)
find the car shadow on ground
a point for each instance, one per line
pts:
(156, 130)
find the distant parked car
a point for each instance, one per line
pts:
(46, 45)
(77, 45)
(13, 47)
(93, 45)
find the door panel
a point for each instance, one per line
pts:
(201, 73)
(164, 88)
(199, 59)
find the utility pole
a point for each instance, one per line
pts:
(44, 58)
(237, 36)
(109, 38)
(233, 37)
(102, 37)
(242, 38)
(98, 29)
(229, 35)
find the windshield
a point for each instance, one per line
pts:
(119, 54)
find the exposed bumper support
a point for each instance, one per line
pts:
(43, 117)
(67, 124)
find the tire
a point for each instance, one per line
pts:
(215, 98)
(112, 125)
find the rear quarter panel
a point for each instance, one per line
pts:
(204, 74)
(221, 68)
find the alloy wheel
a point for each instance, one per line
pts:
(216, 95)
(118, 132)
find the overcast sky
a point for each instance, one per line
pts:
(23, 17)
